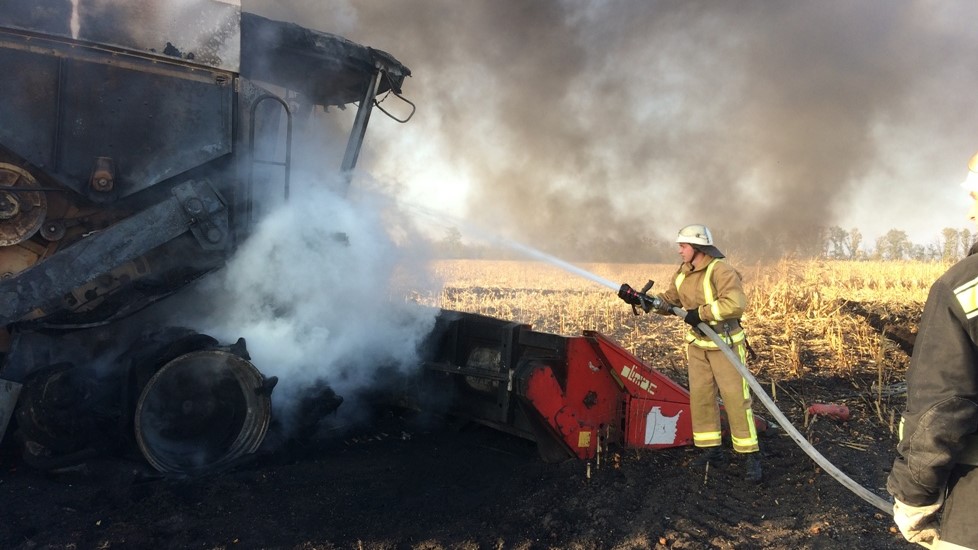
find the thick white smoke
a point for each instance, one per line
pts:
(316, 293)
(207, 29)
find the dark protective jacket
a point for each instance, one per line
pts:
(937, 431)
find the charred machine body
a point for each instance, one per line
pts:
(134, 153)
(133, 163)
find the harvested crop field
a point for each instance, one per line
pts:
(835, 333)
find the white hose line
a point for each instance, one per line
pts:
(841, 477)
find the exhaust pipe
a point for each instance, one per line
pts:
(202, 411)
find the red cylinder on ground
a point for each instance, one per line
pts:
(831, 410)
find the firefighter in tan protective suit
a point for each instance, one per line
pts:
(711, 292)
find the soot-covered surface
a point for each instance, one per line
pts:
(401, 485)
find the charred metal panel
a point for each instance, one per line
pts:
(329, 69)
(65, 107)
(43, 285)
(29, 89)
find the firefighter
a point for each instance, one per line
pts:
(711, 291)
(934, 481)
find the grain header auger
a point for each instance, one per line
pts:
(139, 143)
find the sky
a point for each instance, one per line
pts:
(569, 124)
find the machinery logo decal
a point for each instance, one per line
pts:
(630, 373)
(659, 429)
(584, 439)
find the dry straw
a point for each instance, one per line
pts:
(799, 317)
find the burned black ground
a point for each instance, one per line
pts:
(406, 484)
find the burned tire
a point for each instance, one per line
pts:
(202, 411)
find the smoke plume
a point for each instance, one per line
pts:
(317, 293)
(596, 128)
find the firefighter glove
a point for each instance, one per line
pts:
(629, 295)
(692, 317)
(917, 523)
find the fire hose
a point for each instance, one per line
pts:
(832, 470)
(841, 477)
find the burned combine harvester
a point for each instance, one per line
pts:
(133, 164)
(134, 154)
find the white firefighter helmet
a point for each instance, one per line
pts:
(699, 237)
(971, 181)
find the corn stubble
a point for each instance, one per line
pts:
(798, 320)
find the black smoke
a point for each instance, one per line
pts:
(599, 128)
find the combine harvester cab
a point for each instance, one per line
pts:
(139, 142)
(574, 396)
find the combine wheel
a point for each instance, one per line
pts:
(202, 411)
(55, 409)
(22, 211)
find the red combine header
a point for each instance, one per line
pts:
(574, 396)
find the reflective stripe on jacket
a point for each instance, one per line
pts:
(714, 288)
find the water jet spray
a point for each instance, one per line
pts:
(649, 302)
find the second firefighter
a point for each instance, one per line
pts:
(711, 292)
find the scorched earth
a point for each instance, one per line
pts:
(412, 482)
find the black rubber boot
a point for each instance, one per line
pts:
(714, 456)
(752, 466)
